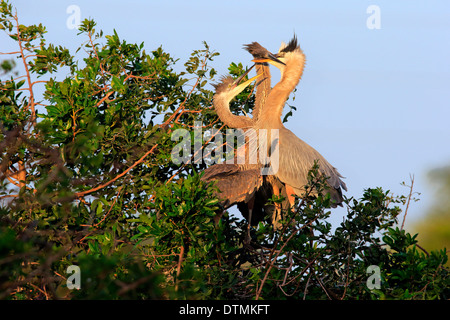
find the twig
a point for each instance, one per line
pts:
(39, 289)
(114, 202)
(180, 260)
(28, 75)
(322, 286)
(347, 273)
(14, 52)
(269, 265)
(409, 200)
(421, 248)
(281, 249)
(306, 287)
(103, 99)
(83, 193)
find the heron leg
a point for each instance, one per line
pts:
(291, 195)
(276, 215)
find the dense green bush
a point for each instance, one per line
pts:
(87, 180)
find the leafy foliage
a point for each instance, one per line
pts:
(87, 179)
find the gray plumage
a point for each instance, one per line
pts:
(296, 157)
(293, 170)
(243, 184)
(235, 184)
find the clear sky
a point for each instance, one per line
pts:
(374, 102)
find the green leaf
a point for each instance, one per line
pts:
(117, 84)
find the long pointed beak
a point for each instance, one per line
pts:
(244, 75)
(271, 58)
(246, 83)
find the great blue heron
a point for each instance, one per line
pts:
(237, 182)
(271, 185)
(243, 184)
(296, 157)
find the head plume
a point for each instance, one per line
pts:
(256, 50)
(290, 47)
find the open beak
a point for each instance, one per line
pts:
(271, 58)
(243, 75)
(246, 83)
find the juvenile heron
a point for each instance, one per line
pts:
(243, 184)
(237, 182)
(271, 184)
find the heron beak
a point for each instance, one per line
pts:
(272, 58)
(244, 75)
(246, 83)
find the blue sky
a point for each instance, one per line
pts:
(375, 102)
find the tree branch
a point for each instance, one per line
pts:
(83, 193)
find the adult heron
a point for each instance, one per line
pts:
(296, 157)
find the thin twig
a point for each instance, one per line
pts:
(83, 193)
(270, 265)
(281, 249)
(28, 75)
(322, 286)
(409, 200)
(180, 260)
(114, 202)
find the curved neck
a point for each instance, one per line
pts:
(290, 76)
(222, 106)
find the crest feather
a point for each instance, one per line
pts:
(256, 50)
(291, 46)
(223, 84)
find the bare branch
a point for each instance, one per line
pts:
(83, 193)
(409, 200)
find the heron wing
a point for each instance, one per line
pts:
(235, 183)
(296, 158)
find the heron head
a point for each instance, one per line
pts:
(233, 87)
(261, 54)
(289, 50)
(285, 52)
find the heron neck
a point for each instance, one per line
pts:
(262, 89)
(270, 115)
(233, 121)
